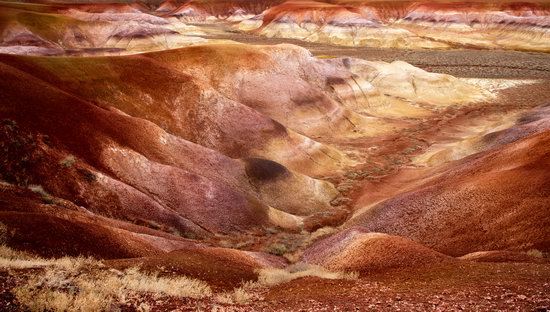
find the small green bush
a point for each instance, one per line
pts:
(277, 249)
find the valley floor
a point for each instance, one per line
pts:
(461, 63)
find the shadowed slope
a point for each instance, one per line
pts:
(112, 146)
(52, 227)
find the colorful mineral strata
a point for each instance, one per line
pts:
(241, 155)
(409, 25)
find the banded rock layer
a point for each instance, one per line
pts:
(88, 29)
(433, 25)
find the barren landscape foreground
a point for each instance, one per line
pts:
(336, 155)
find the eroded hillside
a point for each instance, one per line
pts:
(264, 177)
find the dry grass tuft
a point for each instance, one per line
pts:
(62, 286)
(248, 292)
(85, 284)
(77, 288)
(237, 296)
(274, 276)
(46, 197)
(535, 253)
(14, 259)
(181, 286)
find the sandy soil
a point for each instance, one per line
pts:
(511, 287)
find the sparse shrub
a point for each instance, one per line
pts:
(324, 231)
(153, 224)
(189, 235)
(340, 201)
(241, 295)
(535, 253)
(46, 197)
(88, 175)
(352, 175)
(294, 257)
(68, 161)
(10, 124)
(397, 161)
(175, 232)
(295, 254)
(4, 233)
(241, 244)
(226, 244)
(38, 189)
(277, 249)
(410, 150)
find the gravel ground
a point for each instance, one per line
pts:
(460, 63)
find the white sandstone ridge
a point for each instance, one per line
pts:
(189, 13)
(398, 89)
(524, 30)
(416, 25)
(485, 133)
(75, 30)
(195, 13)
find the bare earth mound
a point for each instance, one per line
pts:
(356, 249)
(505, 256)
